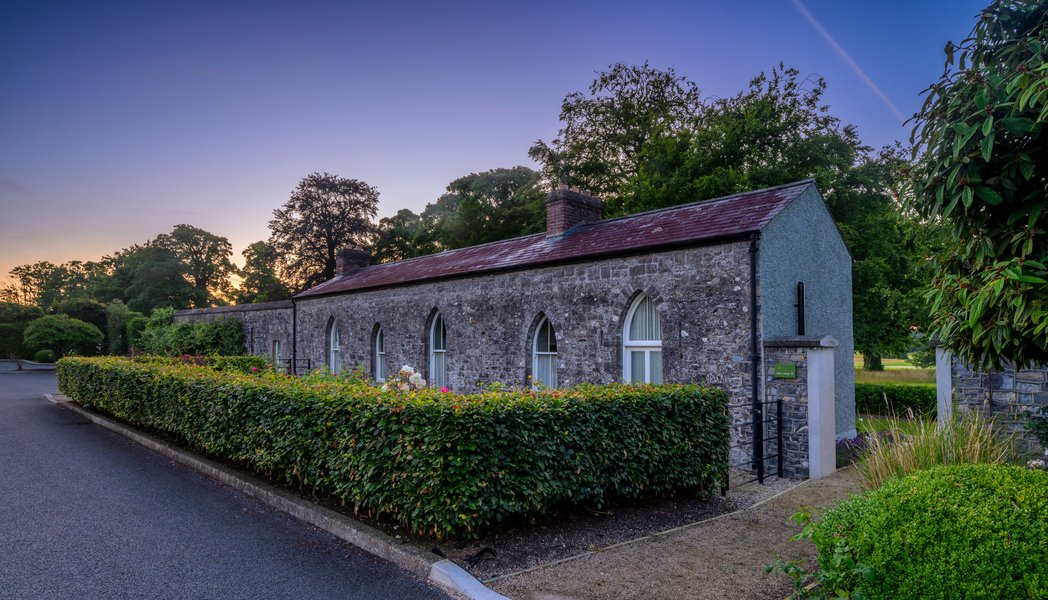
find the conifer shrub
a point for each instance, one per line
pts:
(444, 464)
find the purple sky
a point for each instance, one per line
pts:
(122, 119)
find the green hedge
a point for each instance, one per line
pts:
(971, 531)
(444, 464)
(890, 399)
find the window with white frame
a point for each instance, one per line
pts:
(544, 356)
(334, 348)
(438, 346)
(276, 354)
(380, 355)
(642, 343)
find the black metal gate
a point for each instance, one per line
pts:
(761, 439)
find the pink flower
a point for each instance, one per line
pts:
(254, 369)
(444, 390)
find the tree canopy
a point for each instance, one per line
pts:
(205, 262)
(603, 131)
(325, 213)
(981, 167)
(261, 282)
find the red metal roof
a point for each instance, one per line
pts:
(695, 223)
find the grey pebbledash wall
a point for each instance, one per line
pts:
(802, 245)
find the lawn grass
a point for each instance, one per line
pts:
(901, 376)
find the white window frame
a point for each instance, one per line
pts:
(438, 379)
(646, 346)
(380, 354)
(276, 354)
(536, 353)
(334, 348)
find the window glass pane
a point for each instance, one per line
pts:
(440, 334)
(636, 366)
(655, 372)
(542, 337)
(380, 342)
(552, 347)
(439, 370)
(645, 324)
(546, 370)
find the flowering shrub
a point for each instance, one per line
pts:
(406, 380)
(439, 462)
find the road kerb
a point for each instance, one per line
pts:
(441, 572)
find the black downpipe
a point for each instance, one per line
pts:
(294, 337)
(800, 308)
(755, 357)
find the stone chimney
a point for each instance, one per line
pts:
(351, 259)
(567, 207)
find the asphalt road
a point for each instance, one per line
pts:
(85, 513)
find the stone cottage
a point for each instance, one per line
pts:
(692, 293)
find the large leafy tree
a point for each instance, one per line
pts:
(150, 276)
(261, 282)
(981, 166)
(487, 207)
(205, 259)
(778, 131)
(325, 213)
(603, 130)
(402, 236)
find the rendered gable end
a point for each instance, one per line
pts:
(802, 244)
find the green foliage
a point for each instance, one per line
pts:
(441, 463)
(136, 325)
(404, 235)
(44, 356)
(888, 399)
(13, 319)
(324, 214)
(920, 444)
(62, 335)
(161, 337)
(149, 277)
(971, 531)
(981, 153)
(603, 132)
(205, 262)
(261, 283)
(86, 310)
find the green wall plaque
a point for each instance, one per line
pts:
(785, 371)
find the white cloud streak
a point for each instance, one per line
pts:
(847, 59)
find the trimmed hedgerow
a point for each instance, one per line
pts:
(889, 399)
(967, 531)
(441, 463)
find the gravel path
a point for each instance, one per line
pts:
(721, 558)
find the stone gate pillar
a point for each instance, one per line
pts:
(798, 371)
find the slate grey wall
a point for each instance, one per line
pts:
(803, 244)
(1011, 397)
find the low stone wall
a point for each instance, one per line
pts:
(1010, 396)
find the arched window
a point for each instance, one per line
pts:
(438, 346)
(380, 355)
(334, 348)
(642, 343)
(544, 356)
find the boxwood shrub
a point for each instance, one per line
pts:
(441, 463)
(968, 531)
(893, 399)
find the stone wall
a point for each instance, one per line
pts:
(1010, 396)
(793, 393)
(702, 295)
(263, 324)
